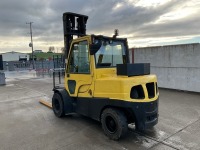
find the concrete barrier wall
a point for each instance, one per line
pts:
(176, 66)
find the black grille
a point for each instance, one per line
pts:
(150, 89)
(137, 92)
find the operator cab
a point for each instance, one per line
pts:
(91, 52)
(109, 52)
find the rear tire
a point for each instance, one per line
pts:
(57, 105)
(114, 123)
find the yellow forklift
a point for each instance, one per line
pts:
(100, 82)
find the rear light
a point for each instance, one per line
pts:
(137, 92)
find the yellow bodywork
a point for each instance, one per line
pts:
(119, 87)
(104, 82)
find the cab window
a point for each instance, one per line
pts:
(110, 54)
(79, 58)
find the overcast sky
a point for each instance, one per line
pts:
(143, 22)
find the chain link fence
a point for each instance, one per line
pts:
(43, 66)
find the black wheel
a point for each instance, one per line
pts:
(57, 105)
(114, 123)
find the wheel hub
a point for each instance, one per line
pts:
(111, 124)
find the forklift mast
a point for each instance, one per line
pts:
(73, 24)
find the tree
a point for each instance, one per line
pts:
(51, 49)
(62, 50)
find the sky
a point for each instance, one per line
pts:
(143, 22)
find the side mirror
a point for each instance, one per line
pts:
(94, 48)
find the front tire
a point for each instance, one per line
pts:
(57, 105)
(114, 123)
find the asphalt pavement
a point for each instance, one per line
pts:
(26, 124)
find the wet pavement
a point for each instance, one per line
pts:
(26, 124)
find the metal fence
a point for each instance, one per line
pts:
(40, 65)
(54, 68)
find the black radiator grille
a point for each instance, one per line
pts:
(151, 89)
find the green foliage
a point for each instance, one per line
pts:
(51, 49)
(44, 56)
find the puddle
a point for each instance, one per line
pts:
(25, 74)
(10, 85)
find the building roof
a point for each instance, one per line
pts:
(13, 52)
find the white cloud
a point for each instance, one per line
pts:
(184, 10)
(117, 6)
(144, 22)
(151, 3)
(157, 41)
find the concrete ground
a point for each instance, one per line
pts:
(26, 124)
